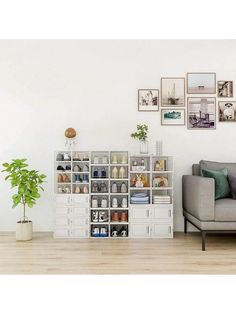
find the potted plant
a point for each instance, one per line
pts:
(27, 184)
(141, 135)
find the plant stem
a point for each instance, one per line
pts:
(23, 202)
(24, 211)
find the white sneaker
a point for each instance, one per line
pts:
(114, 202)
(123, 188)
(114, 187)
(96, 160)
(124, 203)
(94, 203)
(67, 189)
(102, 216)
(103, 232)
(104, 203)
(95, 216)
(95, 232)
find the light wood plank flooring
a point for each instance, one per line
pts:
(181, 255)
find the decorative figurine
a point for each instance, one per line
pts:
(70, 135)
(139, 183)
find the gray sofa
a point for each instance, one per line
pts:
(199, 205)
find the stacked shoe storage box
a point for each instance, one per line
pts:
(71, 194)
(94, 192)
(151, 196)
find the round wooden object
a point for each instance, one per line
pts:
(70, 133)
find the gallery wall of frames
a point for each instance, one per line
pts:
(198, 101)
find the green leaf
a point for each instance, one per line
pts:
(28, 182)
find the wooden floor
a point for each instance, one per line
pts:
(181, 255)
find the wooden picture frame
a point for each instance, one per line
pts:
(201, 83)
(227, 111)
(199, 119)
(173, 118)
(225, 89)
(148, 100)
(172, 92)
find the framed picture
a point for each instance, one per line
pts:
(148, 100)
(172, 91)
(225, 88)
(201, 113)
(201, 83)
(227, 111)
(173, 116)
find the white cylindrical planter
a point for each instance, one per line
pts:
(143, 147)
(24, 231)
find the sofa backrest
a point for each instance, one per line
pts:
(213, 165)
(196, 170)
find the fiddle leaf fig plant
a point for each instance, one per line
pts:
(27, 183)
(141, 133)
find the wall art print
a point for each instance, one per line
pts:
(201, 83)
(201, 113)
(227, 111)
(148, 100)
(172, 91)
(173, 116)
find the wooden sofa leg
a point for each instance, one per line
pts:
(185, 225)
(203, 240)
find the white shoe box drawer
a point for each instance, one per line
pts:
(61, 233)
(62, 221)
(63, 210)
(162, 213)
(139, 213)
(80, 200)
(139, 230)
(79, 232)
(161, 230)
(81, 211)
(63, 200)
(80, 221)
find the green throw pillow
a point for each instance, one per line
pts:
(222, 189)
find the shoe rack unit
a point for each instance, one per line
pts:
(109, 195)
(103, 194)
(72, 194)
(151, 196)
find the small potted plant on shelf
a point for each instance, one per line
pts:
(27, 184)
(141, 135)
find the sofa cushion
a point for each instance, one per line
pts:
(232, 184)
(213, 165)
(222, 188)
(225, 210)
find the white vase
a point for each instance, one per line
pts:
(143, 147)
(24, 231)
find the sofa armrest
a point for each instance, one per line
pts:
(199, 197)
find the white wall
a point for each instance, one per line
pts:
(47, 86)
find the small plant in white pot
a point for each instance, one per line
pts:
(27, 183)
(141, 135)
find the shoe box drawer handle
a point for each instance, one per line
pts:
(169, 213)
(147, 212)
(169, 229)
(147, 229)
